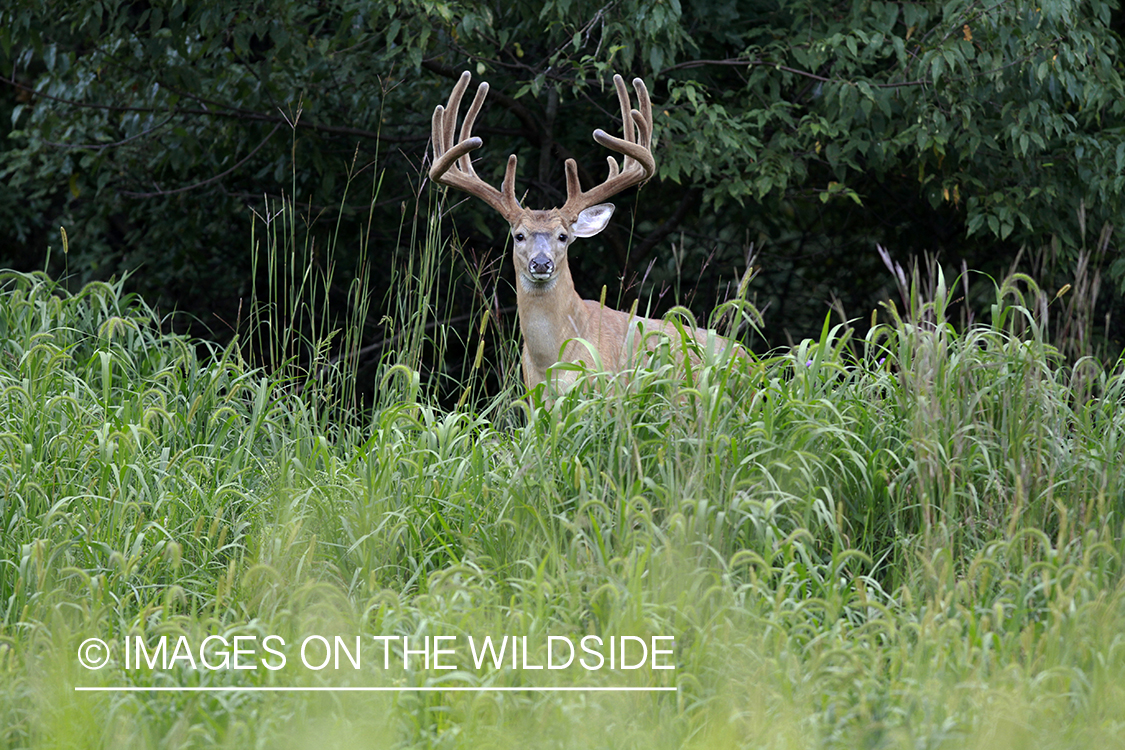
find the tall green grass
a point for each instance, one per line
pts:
(910, 539)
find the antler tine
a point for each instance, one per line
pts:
(637, 164)
(626, 108)
(453, 106)
(465, 162)
(452, 165)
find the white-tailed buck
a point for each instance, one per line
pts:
(552, 315)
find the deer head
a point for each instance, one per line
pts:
(540, 237)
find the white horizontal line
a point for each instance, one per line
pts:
(451, 689)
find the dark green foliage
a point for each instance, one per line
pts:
(808, 133)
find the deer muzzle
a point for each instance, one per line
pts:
(541, 267)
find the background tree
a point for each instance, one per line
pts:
(803, 133)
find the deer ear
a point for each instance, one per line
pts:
(592, 220)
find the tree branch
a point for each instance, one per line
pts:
(228, 111)
(738, 62)
(122, 142)
(209, 180)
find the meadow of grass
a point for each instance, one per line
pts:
(911, 539)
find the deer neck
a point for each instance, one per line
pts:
(549, 315)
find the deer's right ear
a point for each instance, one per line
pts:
(592, 220)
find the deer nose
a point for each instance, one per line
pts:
(541, 266)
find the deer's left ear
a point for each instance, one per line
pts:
(592, 220)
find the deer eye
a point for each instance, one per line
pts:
(562, 238)
(519, 236)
